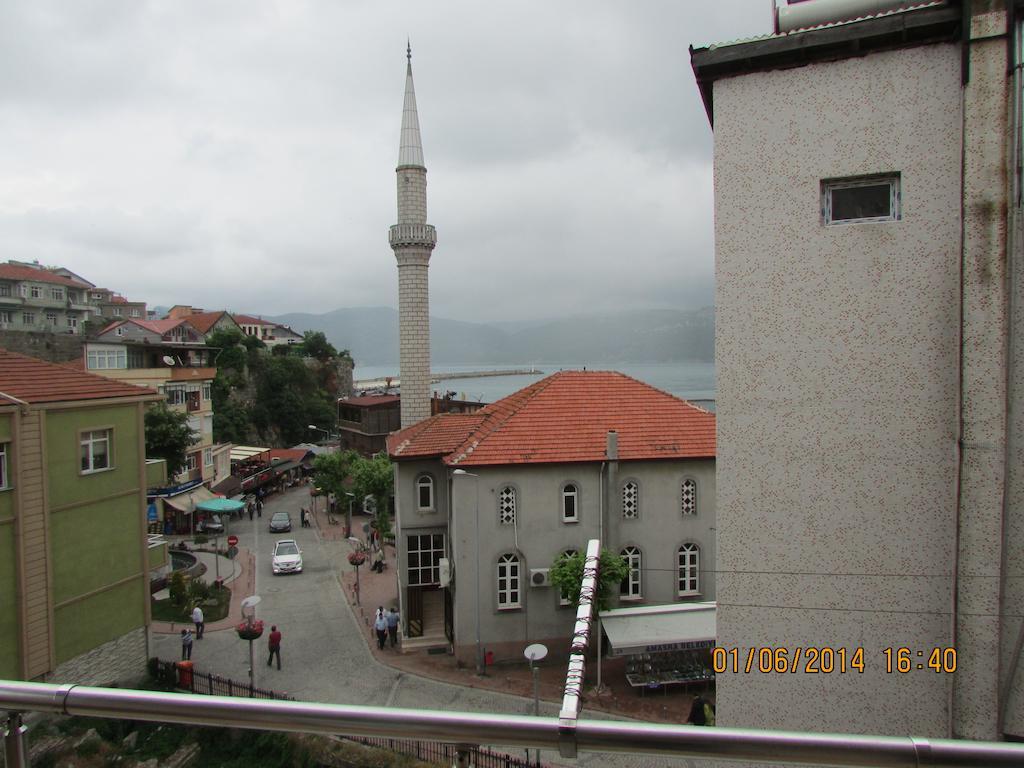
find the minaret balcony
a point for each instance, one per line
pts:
(422, 235)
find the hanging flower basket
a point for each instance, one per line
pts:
(248, 631)
(357, 558)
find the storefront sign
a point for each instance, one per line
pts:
(683, 646)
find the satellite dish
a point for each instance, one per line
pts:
(168, 360)
(535, 651)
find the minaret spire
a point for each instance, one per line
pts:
(412, 240)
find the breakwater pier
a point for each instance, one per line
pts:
(435, 377)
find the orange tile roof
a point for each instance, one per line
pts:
(36, 381)
(250, 320)
(204, 321)
(16, 272)
(565, 418)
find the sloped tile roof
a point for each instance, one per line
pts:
(250, 320)
(16, 272)
(565, 418)
(204, 321)
(36, 381)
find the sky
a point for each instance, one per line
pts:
(240, 154)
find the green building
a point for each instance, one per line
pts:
(74, 559)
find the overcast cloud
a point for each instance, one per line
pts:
(241, 154)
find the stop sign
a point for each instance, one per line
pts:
(232, 540)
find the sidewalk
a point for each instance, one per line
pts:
(243, 584)
(669, 705)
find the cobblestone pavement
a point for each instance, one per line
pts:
(324, 649)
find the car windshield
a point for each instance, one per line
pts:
(287, 549)
(280, 517)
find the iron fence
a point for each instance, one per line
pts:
(192, 680)
(435, 752)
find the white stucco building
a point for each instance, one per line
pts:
(487, 501)
(868, 285)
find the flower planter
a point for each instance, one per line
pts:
(248, 631)
(356, 558)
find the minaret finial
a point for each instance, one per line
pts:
(408, 50)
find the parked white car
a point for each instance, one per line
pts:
(287, 557)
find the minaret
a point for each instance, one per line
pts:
(412, 240)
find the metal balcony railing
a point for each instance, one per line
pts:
(680, 741)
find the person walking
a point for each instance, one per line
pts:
(697, 716)
(259, 507)
(251, 506)
(186, 645)
(393, 627)
(197, 619)
(381, 625)
(274, 643)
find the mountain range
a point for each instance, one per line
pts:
(639, 336)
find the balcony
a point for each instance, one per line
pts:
(422, 235)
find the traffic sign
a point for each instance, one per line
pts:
(232, 540)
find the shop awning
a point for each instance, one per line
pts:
(655, 628)
(186, 502)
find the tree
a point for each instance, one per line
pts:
(332, 472)
(375, 477)
(567, 576)
(168, 436)
(315, 344)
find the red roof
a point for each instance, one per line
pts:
(159, 327)
(15, 272)
(36, 381)
(204, 321)
(250, 320)
(565, 418)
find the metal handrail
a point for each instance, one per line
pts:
(515, 730)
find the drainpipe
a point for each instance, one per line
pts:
(608, 490)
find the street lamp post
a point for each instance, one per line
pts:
(320, 429)
(348, 518)
(479, 648)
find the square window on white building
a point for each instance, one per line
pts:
(861, 199)
(95, 450)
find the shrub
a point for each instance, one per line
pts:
(198, 591)
(179, 589)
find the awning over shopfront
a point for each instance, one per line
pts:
(186, 502)
(656, 628)
(229, 486)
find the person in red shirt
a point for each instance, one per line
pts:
(275, 646)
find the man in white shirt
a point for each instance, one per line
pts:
(197, 619)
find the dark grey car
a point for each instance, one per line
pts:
(280, 522)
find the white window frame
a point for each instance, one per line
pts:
(135, 312)
(425, 482)
(631, 511)
(192, 461)
(570, 498)
(72, 321)
(688, 570)
(88, 441)
(35, 292)
(4, 474)
(106, 359)
(830, 185)
(631, 587)
(688, 497)
(5, 289)
(429, 549)
(207, 457)
(207, 391)
(510, 582)
(57, 294)
(28, 318)
(508, 505)
(5, 316)
(51, 318)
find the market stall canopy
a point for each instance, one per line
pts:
(186, 502)
(656, 628)
(220, 506)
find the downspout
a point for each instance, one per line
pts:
(600, 538)
(611, 454)
(954, 596)
(1017, 52)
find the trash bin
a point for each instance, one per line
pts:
(185, 674)
(489, 659)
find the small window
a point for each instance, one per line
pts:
(72, 321)
(507, 505)
(4, 481)
(208, 457)
(57, 293)
(117, 311)
(51, 318)
(630, 587)
(509, 590)
(95, 450)
(5, 289)
(425, 493)
(35, 292)
(689, 497)
(28, 318)
(5, 316)
(630, 500)
(564, 598)
(135, 312)
(207, 391)
(192, 461)
(861, 200)
(570, 499)
(689, 570)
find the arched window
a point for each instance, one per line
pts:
(570, 503)
(507, 505)
(425, 493)
(630, 500)
(563, 598)
(630, 587)
(689, 505)
(509, 590)
(689, 569)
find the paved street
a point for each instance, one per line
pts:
(323, 652)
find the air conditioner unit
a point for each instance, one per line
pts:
(444, 568)
(540, 577)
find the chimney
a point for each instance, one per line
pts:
(612, 451)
